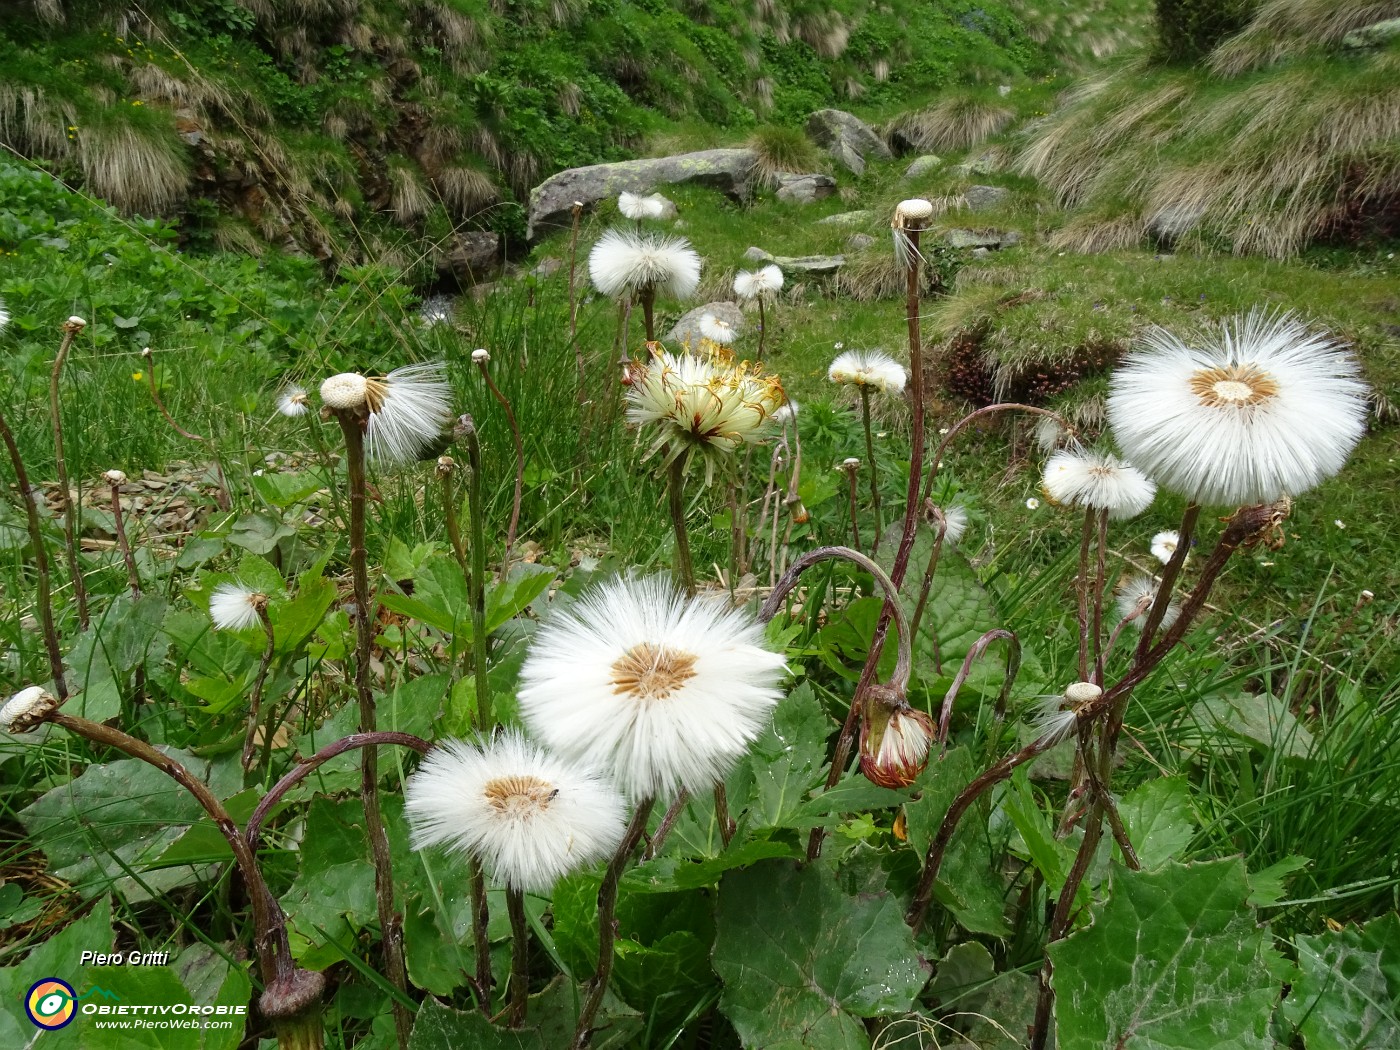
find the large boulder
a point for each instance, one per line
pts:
(922, 166)
(470, 257)
(552, 201)
(847, 138)
(1377, 34)
(985, 198)
(686, 331)
(817, 265)
(805, 189)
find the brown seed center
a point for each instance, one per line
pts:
(1233, 385)
(652, 672)
(519, 795)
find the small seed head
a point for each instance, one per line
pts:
(480, 356)
(115, 477)
(1080, 693)
(348, 390)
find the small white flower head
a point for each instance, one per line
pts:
(954, 524)
(868, 368)
(1097, 481)
(1049, 435)
(1032, 504)
(25, 709)
(702, 404)
(406, 411)
(661, 691)
(1055, 717)
(1267, 409)
(717, 330)
(293, 402)
(787, 412)
(78, 322)
(530, 817)
(762, 284)
(893, 755)
(850, 463)
(635, 206)
(908, 215)
(480, 355)
(1164, 545)
(1135, 598)
(623, 262)
(1339, 523)
(234, 607)
(115, 477)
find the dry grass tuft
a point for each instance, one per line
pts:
(1281, 29)
(960, 121)
(779, 151)
(465, 191)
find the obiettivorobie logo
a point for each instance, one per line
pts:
(51, 1003)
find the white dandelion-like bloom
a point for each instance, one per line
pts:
(1055, 717)
(529, 816)
(717, 330)
(481, 355)
(868, 368)
(703, 404)
(1032, 504)
(293, 402)
(1049, 435)
(23, 704)
(787, 412)
(764, 283)
(662, 691)
(1164, 545)
(406, 411)
(1098, 481)
(1268, 409)
(635, 206)
(234, 607)
(1135, 598)
(623, 261)
(954, 524)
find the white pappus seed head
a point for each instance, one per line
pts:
(787, 412)
(347, 390)
(1164, 545)
(954, 524)
(635, 206)
(23, 707)
(661, 691)
(717, 330)
(763, 283)
(623, 262)
(234, 607)
(293, 401)
(4, 314)
(1097, 481)
(480, 355)
(1049, 435)
(702, 404)
(868, 368)
(1135, 598)
(1265, 409)
(529, 816)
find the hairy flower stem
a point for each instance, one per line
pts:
(44, 596)
(133, 578)
(668, 821)
(675, 492)
(67, 507)
(576, 211)
(1081, 582)
(874, 469)
(968, 420)
(1100, 572)
(762, 327)
(927, 585)
(727, 826)
(255, 697)
(1013, 667)
(519, 465)
(481, 939)
(390, 922)
(519, 956)
(647, 295)
(1170, 573)
(476, 585)
(607, 927)
(851, 492)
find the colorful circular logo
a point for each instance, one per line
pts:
(51, 1003)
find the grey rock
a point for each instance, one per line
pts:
(982, 164)
(991, 239)
(755, 254)
(847, 218)
(687, 330)
(1377, 34)
(848, 139)
(858, 242)
(1169, 223)
(547, 266)
(921, 166)
(981, 253)
(552, 201)
(985, 198)
(812, 264)
(805, 189)
(471, 256)
(668, 206)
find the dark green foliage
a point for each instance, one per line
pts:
(1187, 30)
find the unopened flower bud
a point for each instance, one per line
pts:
(76, 323)
(893, 755)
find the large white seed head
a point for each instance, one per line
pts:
(1097, 481)
(623, 262)
(346, 391)
(868, 368)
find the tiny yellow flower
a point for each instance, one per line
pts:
(138, 376)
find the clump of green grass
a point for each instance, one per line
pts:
(1088, 32)
(779, 150)
(961, 119)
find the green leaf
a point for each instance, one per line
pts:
(1051, 856)
(1159, 820)
(1347, 994)
(1175, 959)
(294, 621)
(853, 793)
(550, 1017)
(56, 956)
(283, 490)
(1266, 888)
(258, 533)
(802, 961)
(513, 595)
(1257, 719)
(786, 761)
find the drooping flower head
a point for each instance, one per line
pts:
(702, 404)
(530, 817)
(1049, 435)
(895, 753)
(1098, 481)
(25, 709)
(635, 206)
(661, 691)
(234, 607)
(623, 262)
(293, 402)
(717, 330)
(1164, 545)
(868, 368)
(1055, 717)
(909, 215)
(763, 284)
(1135, 598)
(1264, 410)
(405, 412)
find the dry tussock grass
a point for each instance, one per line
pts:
(465, 191)
(1282, 28)
(960, 121)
